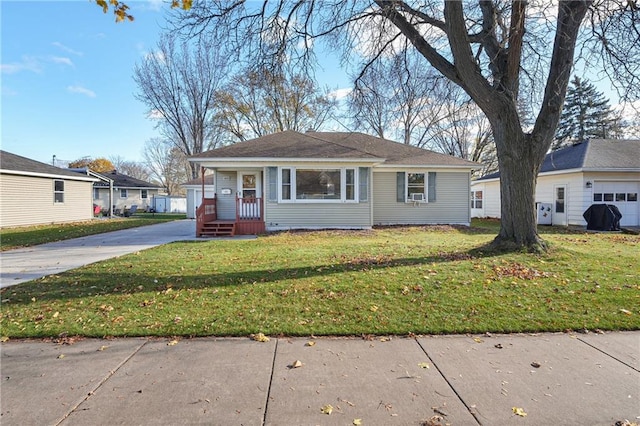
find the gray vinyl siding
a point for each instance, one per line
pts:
(451, 205)
(27, 200)
(317, 215)
(226, 204)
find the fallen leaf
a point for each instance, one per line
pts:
(519, 412)
(172, 343)
(102, 348)
(357, 421)
(477, 340)
(423, 365)
(385, 339)
(55, 315)
(296, 364)
(626, 312)
(373, 308)
(498, 346)
(260, 337)
(535, 364)
(60, 356)
(4, 339)
(310, 343)
(327, 409)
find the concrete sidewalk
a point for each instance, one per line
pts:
(36, 262)
(555, 379)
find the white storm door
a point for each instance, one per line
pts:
(559, 216)
(249, 193)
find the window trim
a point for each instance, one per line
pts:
(57, 192)
(429, 186)
(343, 186)
(126, 193)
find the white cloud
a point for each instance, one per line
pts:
(28, 63)
(66, 48)
(341, 93)
(156, 5)
(81, 90)
(61, 60)
(155, 114)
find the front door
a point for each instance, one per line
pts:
(559, 216)
(249, 192)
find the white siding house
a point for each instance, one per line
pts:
(317, 180)
(34, 193)
(596, 171)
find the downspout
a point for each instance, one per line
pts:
(111, 198)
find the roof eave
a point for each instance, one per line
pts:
(49, 175)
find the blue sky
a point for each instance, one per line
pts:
(67, 86)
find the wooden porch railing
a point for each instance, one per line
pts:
(206, 212)
(249, 216)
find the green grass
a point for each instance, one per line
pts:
(387, 281)
(12, 238)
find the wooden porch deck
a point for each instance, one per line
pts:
(250, 222)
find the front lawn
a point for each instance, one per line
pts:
(26, 236)
(386, 281)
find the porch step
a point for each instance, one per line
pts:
(218, 229)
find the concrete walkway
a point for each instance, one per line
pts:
(545, 379)
(18, 266)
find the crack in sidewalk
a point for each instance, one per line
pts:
(100, 383)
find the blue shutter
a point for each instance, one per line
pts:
(272, 186)
(431, 187)
(363, 182)
(400, 189)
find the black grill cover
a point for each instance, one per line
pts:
(602, 217)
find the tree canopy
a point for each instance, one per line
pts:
(514, 59)
(586, 114)
(99, 165)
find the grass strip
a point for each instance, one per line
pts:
(400, 281)
(12, 238)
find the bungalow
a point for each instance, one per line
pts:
(33, 193)
(596, 171)
(316, 180)
(119, 191)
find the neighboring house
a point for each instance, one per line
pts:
(194, 193)
(33, 193)
(122, 191)
(317, 180)
(597, 171)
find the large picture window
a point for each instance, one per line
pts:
(323, 185)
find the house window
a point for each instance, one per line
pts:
(421, 184)
(632, 196)
(58, 191)
(608, 197)
(476, 199)
(286, 184)
(350, 184)
(621, 196)
(96, 193)
(143, 194)
(597, 197)
(123, 193)
(323, 185)
(415, 185)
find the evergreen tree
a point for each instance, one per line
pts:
(586, 114)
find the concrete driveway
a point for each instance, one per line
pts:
(18, 266)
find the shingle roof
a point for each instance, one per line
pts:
(593, 154)
(17, 163)
(124, 181)
(208, 180)
(334, 145)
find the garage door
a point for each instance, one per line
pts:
(623, 195)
